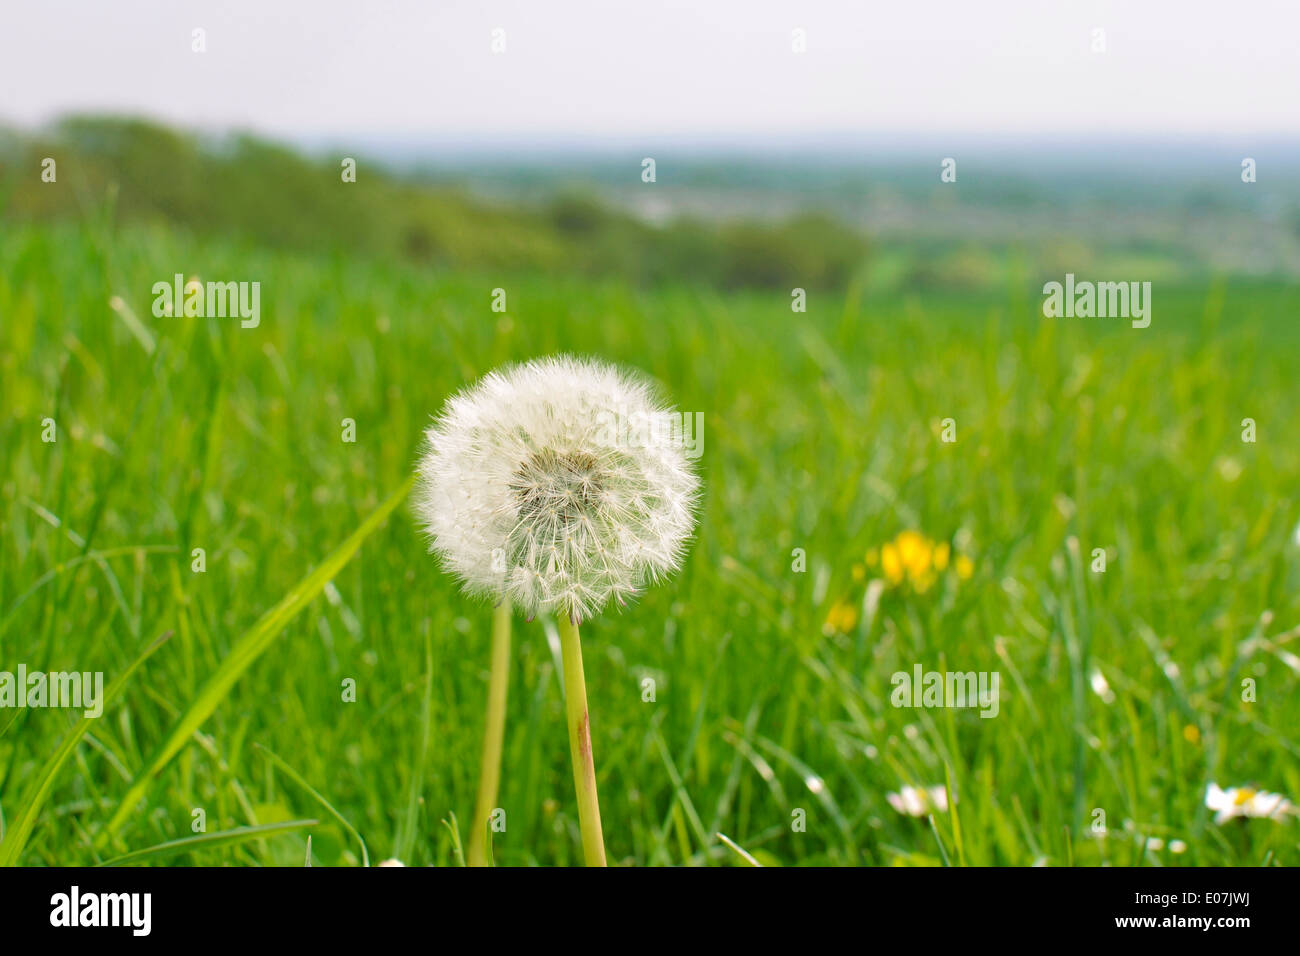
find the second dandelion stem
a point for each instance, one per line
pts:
(584, 768)
(494, 730)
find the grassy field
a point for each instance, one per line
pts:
(772, 686)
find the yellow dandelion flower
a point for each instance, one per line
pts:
(919, 566)
(912, 548)
(891, 564)
(941, 553)
(1192, 734)
(859, 572)
(914, 552)
(965, 567)
(842, 617)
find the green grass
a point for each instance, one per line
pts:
(821, 433)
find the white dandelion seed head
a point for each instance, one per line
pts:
(532, 487)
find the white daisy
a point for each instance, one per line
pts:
(918, 802)
(1101, 687)
(532, 489)
(1246, 802)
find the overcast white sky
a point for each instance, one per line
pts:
(617, 70)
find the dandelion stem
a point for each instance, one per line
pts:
(489, 777)
(584, 768)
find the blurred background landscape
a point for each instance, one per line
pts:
(1161, 210)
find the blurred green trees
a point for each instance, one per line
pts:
(249, 189)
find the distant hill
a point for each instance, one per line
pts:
(240, 186)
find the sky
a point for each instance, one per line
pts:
(591, 72)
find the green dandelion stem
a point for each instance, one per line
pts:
(489, 778)
(584, 768)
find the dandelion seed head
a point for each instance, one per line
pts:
(532, 489)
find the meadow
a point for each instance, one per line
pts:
(771, 653)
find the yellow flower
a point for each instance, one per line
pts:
(941, 552)
(1192, 734)
(841, 617)
(913, 558)
(859, 572)
(914, 551)
(891, 564)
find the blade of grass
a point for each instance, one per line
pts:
(13, 717)
(207, 840)
(943, 851)
(297, 778)
(457, 850)
(405, 842)
(680, 796)
(16, 836)
(952, 812)
(244, 653)
(72, 563)
(740, 851)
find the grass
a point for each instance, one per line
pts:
(822, 433)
